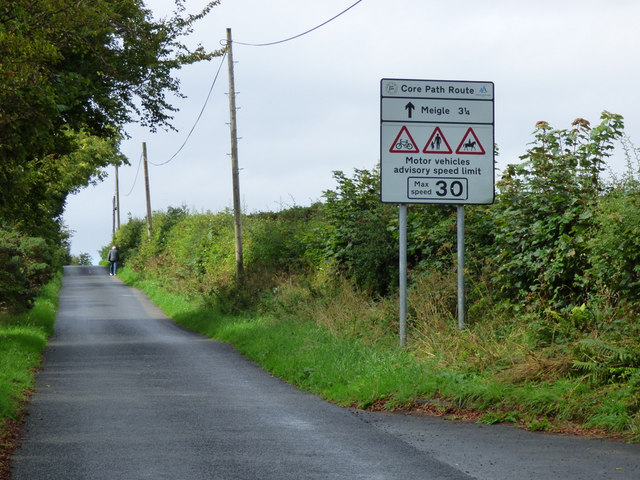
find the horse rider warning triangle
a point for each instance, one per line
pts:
(404, 143)
(470, 145)
(437, 143)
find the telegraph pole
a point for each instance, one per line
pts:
(234, 163)
(117, 204)
(146, 187)
(113, 215)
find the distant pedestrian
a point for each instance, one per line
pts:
(113, 260)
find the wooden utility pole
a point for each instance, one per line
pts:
(113, 216)
(234, 163)
(146, 187)
(117, 205)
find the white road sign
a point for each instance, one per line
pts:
(436, 141)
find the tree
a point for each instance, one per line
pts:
(72, 74)
(81, 67)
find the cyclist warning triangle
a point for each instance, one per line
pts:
(470, 145)
(437, 143)
(404, 143)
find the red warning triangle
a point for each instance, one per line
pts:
(437, 143)
(470, 145)
(404, 143)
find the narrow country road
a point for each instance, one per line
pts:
(124, 393)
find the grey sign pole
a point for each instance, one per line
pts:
(403, 272)
(461, 291)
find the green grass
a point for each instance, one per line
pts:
(22, 339)
(350, 369)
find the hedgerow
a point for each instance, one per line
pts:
(553, 276)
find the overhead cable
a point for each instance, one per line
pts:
(136, 178)
(300, 34)
(199, 115)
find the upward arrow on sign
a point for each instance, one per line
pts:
(409, 107)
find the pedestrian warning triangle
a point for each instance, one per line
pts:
(404, 143)
(470, 145)
(437, 143)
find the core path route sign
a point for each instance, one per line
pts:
(436, 141)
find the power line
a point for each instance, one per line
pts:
(300, 34)
(136, 178)
(199, 116)
(218, 73)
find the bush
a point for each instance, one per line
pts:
(277, 241)
(614, 244)
(545, 212)
(358, 236)
(128, 239)
(28, 264)
(431, 236)
(201, 250)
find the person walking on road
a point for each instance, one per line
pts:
(113, 260)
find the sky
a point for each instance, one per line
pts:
(311, 106)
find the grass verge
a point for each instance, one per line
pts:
(22, 339)
(357, 369)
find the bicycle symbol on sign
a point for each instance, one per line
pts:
(404, 145)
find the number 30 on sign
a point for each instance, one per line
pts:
(440, 189)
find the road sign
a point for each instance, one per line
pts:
(436, 141)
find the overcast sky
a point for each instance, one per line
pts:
(311, 106)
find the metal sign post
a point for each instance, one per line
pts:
(402, 225)
(461, 289)
(436, 146)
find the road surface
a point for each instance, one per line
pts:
(126, 394)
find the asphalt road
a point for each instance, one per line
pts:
(126, 394)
